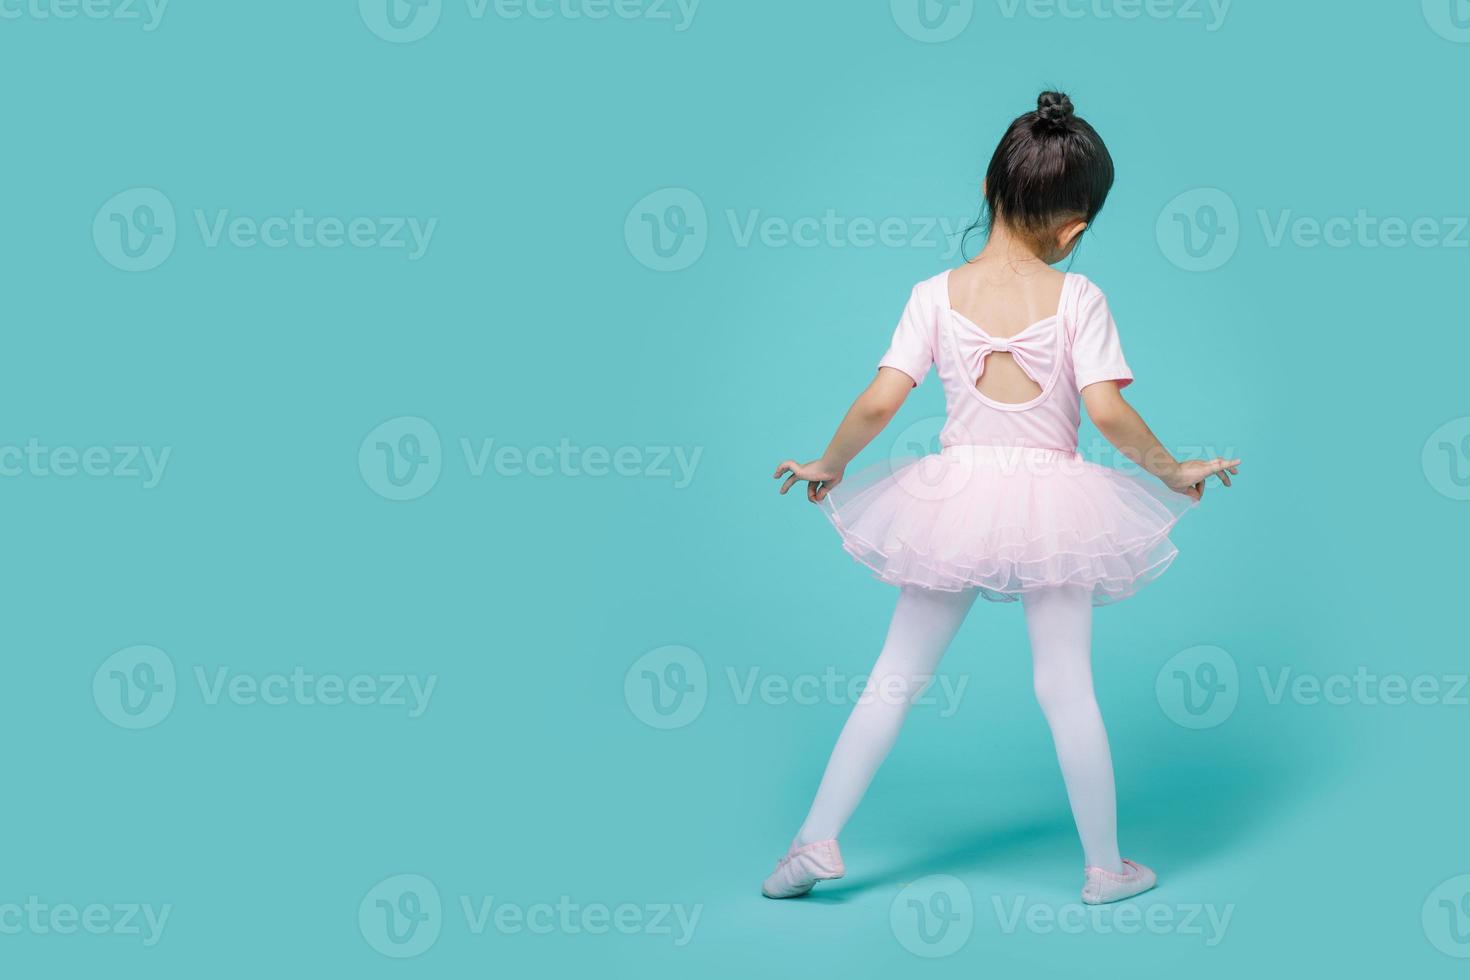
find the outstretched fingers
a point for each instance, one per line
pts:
(1223, 468)
(787, 466)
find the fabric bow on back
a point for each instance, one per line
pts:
(1033, 349)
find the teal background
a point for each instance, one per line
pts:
(531, 319)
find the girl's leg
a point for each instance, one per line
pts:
(924, 623)
(1060, 624)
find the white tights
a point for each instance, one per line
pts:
(1059, 622)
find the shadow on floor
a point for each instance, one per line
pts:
(1187, 799)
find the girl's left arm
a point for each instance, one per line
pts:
(1121, 425)
(867, 417)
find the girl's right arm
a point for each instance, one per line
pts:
(873, 410)
(1122, 426)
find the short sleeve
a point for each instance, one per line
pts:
(912, 348)
(1097, 354)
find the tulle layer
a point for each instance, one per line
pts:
(1007, 521)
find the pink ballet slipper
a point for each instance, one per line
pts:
(1103, 887)
(803, 867)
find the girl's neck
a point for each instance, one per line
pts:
(1003, 248)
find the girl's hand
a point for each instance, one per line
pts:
(1189, 476)
(821, 477)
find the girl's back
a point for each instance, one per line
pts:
(1005, 299)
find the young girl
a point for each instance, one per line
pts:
(1007, 509)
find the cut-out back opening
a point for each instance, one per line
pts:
(1003, 380)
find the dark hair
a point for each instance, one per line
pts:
(1050, 166)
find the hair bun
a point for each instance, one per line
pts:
(1054, 111)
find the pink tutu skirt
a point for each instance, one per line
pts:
(1007, 521)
